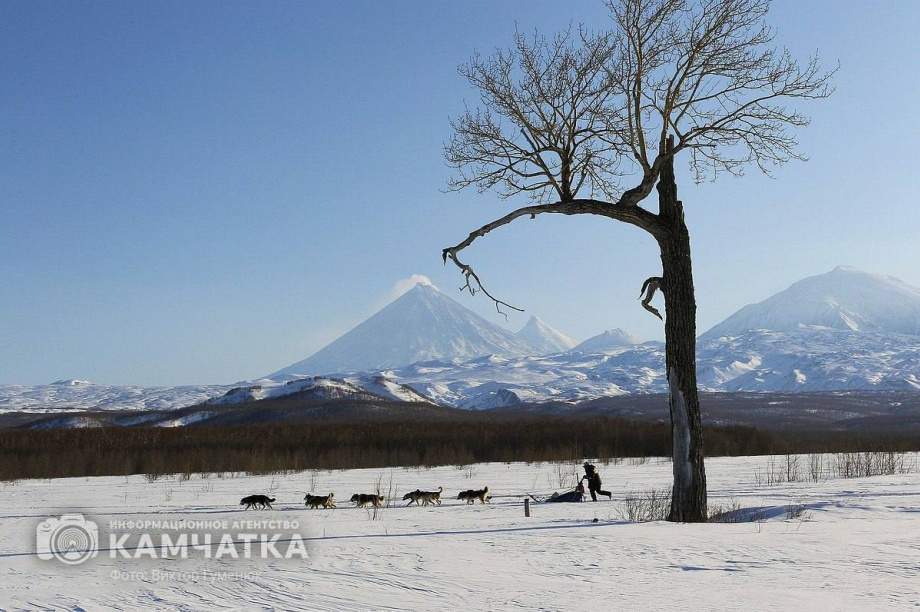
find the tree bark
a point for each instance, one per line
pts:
(688, 495)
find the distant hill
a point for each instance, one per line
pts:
(295, 408)
(605, 341)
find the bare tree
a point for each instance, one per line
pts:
(567, 120)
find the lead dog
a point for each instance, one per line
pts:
(315, 501)
(363, 499)
(257, 501)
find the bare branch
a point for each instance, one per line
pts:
(719, 83)
(548, 124)
(707, 70)
(470, 275)
(633, 215)
(579, 111)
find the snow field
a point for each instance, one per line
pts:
(855, 546)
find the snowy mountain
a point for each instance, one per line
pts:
(844, 298)
(319, 388)
(609, 340)
(810, 359)
(543, 339)
(82, 395)
(387, 388)
(421, 324)
(313, 388)
(493, 381)
(85, 395)
(841, 331)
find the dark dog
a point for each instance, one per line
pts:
(257, 501)
(363, 499)
(471, 495)
(413, 497)
(423, 498)
(315, 501)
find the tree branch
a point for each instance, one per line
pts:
(634, 215)
(566, 113)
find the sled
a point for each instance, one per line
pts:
(575, 495)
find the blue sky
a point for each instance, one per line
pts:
(203, 192)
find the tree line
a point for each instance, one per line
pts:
(348, 445)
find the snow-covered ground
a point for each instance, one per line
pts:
(856, 547)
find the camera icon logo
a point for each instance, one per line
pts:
(71, 539)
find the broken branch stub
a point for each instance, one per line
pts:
(649, 287)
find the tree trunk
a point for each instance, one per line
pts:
(688, 496)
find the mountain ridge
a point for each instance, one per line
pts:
(844, 298)
(854, 349)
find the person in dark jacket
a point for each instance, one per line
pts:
(594, 482)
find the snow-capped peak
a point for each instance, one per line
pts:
(609, 340)
(422, 324)
(844, 298)
(71, 382)
(543, 338)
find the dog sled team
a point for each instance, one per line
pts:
(362, 500)
(428, 498)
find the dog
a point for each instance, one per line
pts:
(363, 499)
(425, 497)
(315, 501)
(431, 497)
(471, 495)
(413, 497)
(257, 501)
